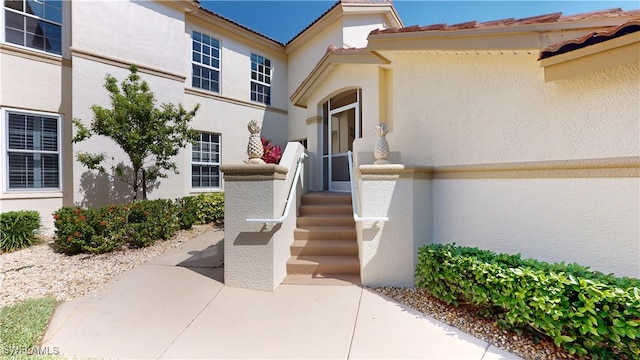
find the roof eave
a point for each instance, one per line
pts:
(618, 51)
(230, 25)
(328, 62)
(517, 37)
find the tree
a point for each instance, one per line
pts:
(150, 136)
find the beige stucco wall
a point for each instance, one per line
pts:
(235, 63)
(230, 121)
(497, 108)
(351, 30)
(168, 73)
(301, 62)
(142, 32)
(150, 44)
(356, 28)
(343, 78)
(40, 83)
(593, 221)
(91, 188)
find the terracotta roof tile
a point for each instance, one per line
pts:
(538, 19)
(433, 27)
(593, 14)
(591, 39)
(463, 26)
(334, 49)
(496, 23)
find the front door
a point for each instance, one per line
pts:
(342, 127)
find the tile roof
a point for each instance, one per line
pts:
(591, 39)
(539, 19)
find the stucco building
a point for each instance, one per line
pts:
(526, 132)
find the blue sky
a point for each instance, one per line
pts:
(282, 20)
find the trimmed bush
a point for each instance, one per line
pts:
(188, 212)
(105, 229)
(210, 207)
(584, 311)
(18, 229)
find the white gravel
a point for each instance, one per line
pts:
(38, 271)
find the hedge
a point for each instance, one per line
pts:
(584, 311)
(18, 229)
(138, 224)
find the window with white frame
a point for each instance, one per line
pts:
(32, 151)
(205, 161)
(260, 79)
(35, 24)
(205, 65)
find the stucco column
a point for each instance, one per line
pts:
(388, 250)
(250, 249)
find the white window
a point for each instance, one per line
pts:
(32, 151)
(34, 24)
(205, 161)
(205, 65)
(260, 79)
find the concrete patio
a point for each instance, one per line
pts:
(177, 306)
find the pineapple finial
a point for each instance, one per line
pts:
(254, 148)
(381, 151)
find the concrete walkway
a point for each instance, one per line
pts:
(177, 307)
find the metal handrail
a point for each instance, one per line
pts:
(354, 198)
(292, 194)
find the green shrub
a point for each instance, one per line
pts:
(204, 208)
(210, 207)
(188, 212)
(18, 229)
(584, 311)
(138, 224)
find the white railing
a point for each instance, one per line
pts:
(292, 194)
(354, 197)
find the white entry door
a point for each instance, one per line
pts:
(344, 128)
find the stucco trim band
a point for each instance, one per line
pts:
(394, 171)
(582, 168)
(254, 172)
(34, 55)
(31, 195)
(209, 95)
(88, 55)
(314, 120)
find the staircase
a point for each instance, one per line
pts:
(324, 249)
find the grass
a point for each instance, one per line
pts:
(22, 327)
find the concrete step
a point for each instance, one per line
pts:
(319, 279)
(326, 209)
(316, 198)
(323, 265)
(326, 220)
(324, 247)
(325, 233)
